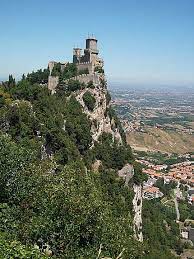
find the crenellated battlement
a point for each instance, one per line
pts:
(84, 63)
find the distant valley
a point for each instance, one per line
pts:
(157, 119)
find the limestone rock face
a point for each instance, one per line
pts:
(126, 173)
(137, 208)
(99, 117)
(96, 165)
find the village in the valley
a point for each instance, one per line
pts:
(180, 173)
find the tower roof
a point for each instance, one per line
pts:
(91, 37)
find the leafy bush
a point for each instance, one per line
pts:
(11, 248)
(90, 85)
(78, 125)
(160, 230)
(38, 77)
(111, 154)
(99, 70)
(89, 100)
(69, 71)
(74, 212)
(25, 90)
(74, 85)
(13, 158)
(139, 177)
(56, 71)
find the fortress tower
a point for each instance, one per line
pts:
(76, 55)
(91, 49)
(91, 43)
(90, 59)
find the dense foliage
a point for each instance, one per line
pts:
(160, 230)
(166, 189)
(51, 202)
(69, 71)
(14, 249)
(40, 76)
(89, 100)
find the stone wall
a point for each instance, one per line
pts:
(86, 78)
(84, 66)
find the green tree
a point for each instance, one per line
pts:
(89, 100)
(10, 248)
(11, 81)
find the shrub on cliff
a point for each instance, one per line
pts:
(99, 70)
(89, 100)
(74, 85)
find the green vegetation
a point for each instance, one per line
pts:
(10, 248)
(108, 98)
(90, 85)
(39, 77)
(186, 211)
(74, 85)
(182, 119)
(69, 71)
(89, 100)
(139, 177)
(112, 114)
(111, 154)
(159, 158)
(50, 198)
(99, 70)
(160, 230)
(166, 189)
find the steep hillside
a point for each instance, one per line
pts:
(161, 140)
(67, 176)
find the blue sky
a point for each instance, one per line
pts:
(141, 41)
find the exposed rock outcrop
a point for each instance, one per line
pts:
(137, 208)
(99, 117)
(126, 173)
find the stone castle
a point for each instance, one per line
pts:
(88, 61)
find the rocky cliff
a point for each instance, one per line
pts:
(101, 122)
